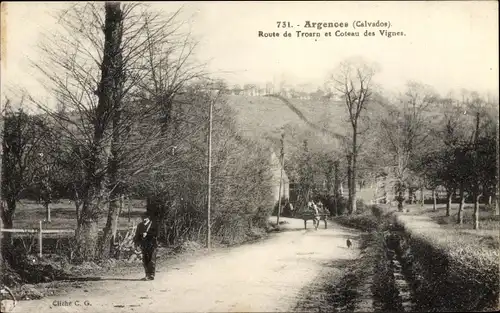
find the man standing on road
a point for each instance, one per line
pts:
(146, 237)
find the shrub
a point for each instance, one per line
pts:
(260, 218)
(360, 206)
(377, 211)
(285, 210)
(341, 205)
(362, 221)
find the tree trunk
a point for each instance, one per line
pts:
(421, 196)
(128, 209)
(401, 200)
(77, 209)
(384, 190)
(115, 194)
(476, 210)
(115, 222)
(349, 185)
(449, 196)
(497, 207)
(434, 200)
(329, 177)
(110, 99)
(336, 187)
(399, 190)
(47, 211)
(120, 210)
(476, 193)
(87, 232)
(460, 213)
(7, 214)
(111, 224)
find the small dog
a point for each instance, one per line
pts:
(349, 243)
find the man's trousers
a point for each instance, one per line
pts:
(149, 259)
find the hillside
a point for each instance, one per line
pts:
(264, 118)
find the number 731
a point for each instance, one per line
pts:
(283, 24)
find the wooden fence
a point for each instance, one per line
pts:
(40, 231)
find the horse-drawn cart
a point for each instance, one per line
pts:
(316, 218)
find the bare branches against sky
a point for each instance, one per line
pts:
(448, 44)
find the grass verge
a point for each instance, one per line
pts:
(458, 272)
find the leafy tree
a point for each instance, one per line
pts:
(117, 69)
(23, 136)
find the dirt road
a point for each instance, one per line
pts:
(266, 276)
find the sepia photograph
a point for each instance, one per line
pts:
(249, 156)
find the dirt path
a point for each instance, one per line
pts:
(266, 276)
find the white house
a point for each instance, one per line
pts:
(276, 176)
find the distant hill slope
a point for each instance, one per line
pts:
(264, 117)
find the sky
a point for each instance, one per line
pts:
(448, 45)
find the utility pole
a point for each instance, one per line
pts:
(209, 191)
(209, 175)
(1, 157)
(282, 164)
(336, 194)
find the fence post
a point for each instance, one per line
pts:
(40, 239)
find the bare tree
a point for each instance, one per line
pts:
(143, 59)
(405, 132)
(353, 81)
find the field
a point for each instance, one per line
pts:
(489, 223)
(29, 213)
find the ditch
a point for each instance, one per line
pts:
(387, 277)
